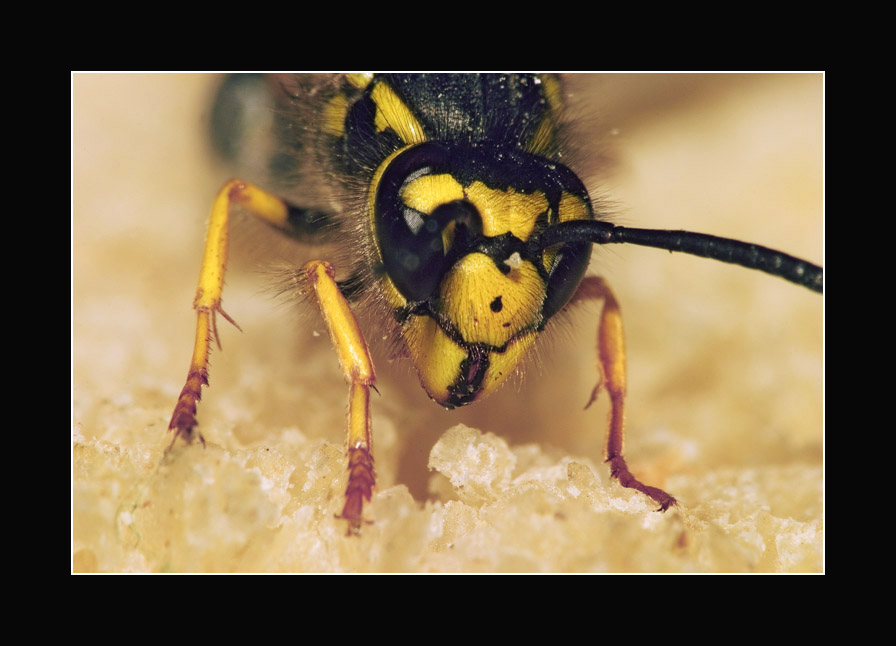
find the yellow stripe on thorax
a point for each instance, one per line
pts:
(392, 112)
(334, 112)
(544, 137)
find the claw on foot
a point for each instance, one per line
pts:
(619, 470)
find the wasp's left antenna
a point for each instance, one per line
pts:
(746, 254)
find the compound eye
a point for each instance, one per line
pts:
(567, 272)
(568, 261)
(419, 210)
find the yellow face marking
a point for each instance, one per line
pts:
(435, 355)
(426, 193)
(391, 112)
(484, 306)
(487, 306)
(390, 291)
(503, 364)
(506, 211)
(438, 359)
(573, 208)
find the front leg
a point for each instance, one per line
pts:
(357, 366)
(207, 305)
(297, 222)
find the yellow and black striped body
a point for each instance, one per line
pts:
(460, 172)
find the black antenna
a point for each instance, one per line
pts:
(748, 255)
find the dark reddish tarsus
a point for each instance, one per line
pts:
(361, 479)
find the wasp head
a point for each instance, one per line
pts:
(455, 230)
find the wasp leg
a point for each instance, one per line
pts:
(611, 363)
(354, 358)
(292, 220)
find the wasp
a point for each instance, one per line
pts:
(463, 230)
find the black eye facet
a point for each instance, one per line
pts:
(565, 275)
(572, 258)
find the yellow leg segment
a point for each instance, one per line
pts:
(357, 366)
(208, 294)
(611, 363)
